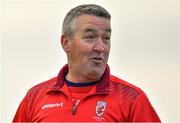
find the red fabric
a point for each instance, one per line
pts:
(80, 92)
(111, 99)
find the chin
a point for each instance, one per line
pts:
(97, 73)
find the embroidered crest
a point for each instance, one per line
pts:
(100, 108)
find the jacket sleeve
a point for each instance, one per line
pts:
(22, 114)
(142, 110)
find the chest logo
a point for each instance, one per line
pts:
(52, 105)
(100, 108)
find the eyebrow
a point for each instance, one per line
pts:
(93, 30)
(108, 30)
(90, 30)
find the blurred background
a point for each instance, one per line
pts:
(144, 48)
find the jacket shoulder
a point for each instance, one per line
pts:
(42, 87)
(120, 82)
(124, 89)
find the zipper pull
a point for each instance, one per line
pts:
(74, 109)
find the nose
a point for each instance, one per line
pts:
(99, 46)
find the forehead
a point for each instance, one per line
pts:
(93, 22)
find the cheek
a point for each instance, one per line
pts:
(85, 48)
(107, 50)
(85, 52)
(81, 51)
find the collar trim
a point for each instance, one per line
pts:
(101, 86)
(80, 84)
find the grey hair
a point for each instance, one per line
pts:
(69, 25)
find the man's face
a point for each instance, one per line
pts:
(89, 48)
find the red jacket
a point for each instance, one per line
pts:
(111, 99)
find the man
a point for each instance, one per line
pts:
(84, 89)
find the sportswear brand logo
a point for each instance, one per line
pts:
(52, 105)
(100, 108)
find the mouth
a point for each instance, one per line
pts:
(97, 60)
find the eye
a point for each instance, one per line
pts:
(89, 36)
(106, 37)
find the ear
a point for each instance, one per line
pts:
(65, 43)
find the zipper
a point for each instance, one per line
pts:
(75, 104)
(74, 108)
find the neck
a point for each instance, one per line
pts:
(80, 84)
(80, 79)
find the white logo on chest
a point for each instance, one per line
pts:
(52, 105)
(100, 108)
